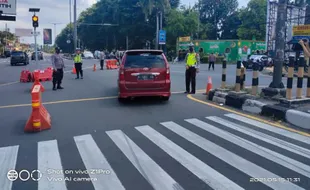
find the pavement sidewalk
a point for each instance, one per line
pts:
(296, 112)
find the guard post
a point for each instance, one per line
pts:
(300, 79)
(238, 73)
(224, 65)
(290, 77)
(255, 79)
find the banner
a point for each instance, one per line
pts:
(301, 30)
(47, 36)
(23, 32)
(185, 39)
(8, 7)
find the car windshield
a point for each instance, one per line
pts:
(18, 53)
(141, 60)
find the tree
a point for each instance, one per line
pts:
(5, 35)
(230, 26)
(253, 19)
(174, 4)
(61, 39)
(214, 13)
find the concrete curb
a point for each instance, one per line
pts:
(249, 104)
(298, 118)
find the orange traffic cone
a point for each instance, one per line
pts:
(73, 70)
(94, 69)
(209, 85)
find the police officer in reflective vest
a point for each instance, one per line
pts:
(78, 63)
(192, 61)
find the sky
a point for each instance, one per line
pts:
(55, 11)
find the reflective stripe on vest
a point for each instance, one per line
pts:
(191, 59)
(78, 59)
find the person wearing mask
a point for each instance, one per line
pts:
(102, 56)
(78, 63)
(192, 61)
(58, 66)
(212, 60)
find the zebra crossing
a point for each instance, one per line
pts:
(231, 152)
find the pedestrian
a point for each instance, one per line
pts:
(58, 72)
(192, 61)
(102, 56)
(211, 60)
(78, 63)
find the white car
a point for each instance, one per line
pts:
(88, 55)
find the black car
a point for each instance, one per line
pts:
(40, 56)
(19, 57)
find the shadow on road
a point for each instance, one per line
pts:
(143, 101)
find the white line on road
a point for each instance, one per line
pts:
(94, 159)
(252, 147)
(149, 169)
(8, 157)
(279, 131)
(230, 158)
(207, 174)
(262, 136)
(49, 164)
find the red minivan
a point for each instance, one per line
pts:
(144, 73)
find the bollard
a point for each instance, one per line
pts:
(300, 79)
(238, 73)
(224, 65)
(308, 82)
(290, 77)
(242, 78)
(255, 79)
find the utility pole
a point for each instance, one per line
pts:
(70, 6)
(161, 25)
(6, 37)
(198, 28)
(55, 31)
(279, 45)
(157, 31)
(75, 26)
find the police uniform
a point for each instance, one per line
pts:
(78, 65)
(58, 65)
(192, 61)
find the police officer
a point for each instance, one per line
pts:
(192, 61)
(58, 73)
(78, 63)
(102, 57)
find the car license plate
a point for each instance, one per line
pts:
(145, 77)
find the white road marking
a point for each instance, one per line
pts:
(8, 157)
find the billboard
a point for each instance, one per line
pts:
(8, 7)
(301, 30)
(47, 36)
(23, 32)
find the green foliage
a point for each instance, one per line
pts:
(215, 12)
(253, 19)
(230, 26)
(61, 40)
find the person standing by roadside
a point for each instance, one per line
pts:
(102, 57)
(211, 60)
(192, 62)
(58, 66)
(78, 63)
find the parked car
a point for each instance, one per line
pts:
(19, 57)
(144, 73)
(261, 60)
(88, 55)
(7, 53)
(40, 55)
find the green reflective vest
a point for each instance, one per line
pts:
(78, 58)
(191, 59)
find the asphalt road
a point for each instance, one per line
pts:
(144, 144)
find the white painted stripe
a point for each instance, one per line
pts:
(94, 159)
(256, 149)
(151, 171)
(262, 136)
(229, 157)
(210, 176)
(279, 131)
(49, 164)
(8, 157)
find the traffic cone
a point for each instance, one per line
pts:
(209, 85)
(73, 70)
(94, 69)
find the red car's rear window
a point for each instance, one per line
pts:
(144, 59)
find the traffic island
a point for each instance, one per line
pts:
(295, 112)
